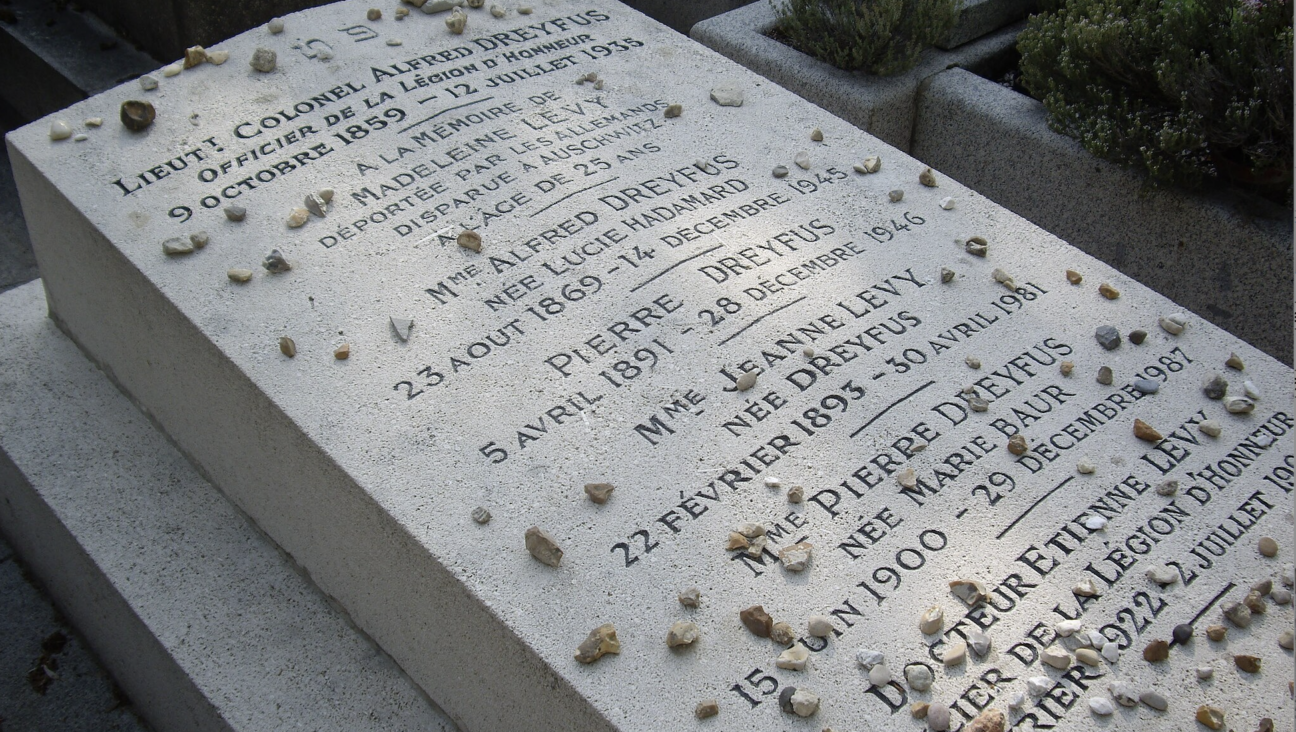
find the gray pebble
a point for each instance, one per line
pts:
(785, 699)
(780, 171)
(1147, 386)
(198, 239)
(148, 83)
(896, 196)
(264, 60)
(176, 245)
(1215, 386)
(275, 262)
(918, 677)
(481, 515)
(235, 213)
(727, 96)
(1154, 700)
(1182, 633)
(976, 246)
(1138, 336)
(938, 717)
(1105, 375)
(1107, 337)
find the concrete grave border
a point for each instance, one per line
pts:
(883, 106)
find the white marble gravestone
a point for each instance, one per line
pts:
(632, 268)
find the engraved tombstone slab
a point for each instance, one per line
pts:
(633, 268)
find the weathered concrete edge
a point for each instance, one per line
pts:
(883, 106)
(982, 17)
(481, 673)
(1188, 246)
(101, 550)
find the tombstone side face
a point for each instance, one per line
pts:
(632, 268)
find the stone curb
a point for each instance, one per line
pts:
(198, 616)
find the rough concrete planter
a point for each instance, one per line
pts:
(1227, 258)
(880, 105)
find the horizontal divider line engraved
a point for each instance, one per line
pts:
(438, 114)
(686, 260)
(1031, 507)
(891, 406)
(574, 193)
(766, 315)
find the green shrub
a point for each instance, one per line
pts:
(1184, 90)
(876, 36)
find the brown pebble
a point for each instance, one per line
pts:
(599, 492)
(1145, 432)
(374, 14)
(600, 642)
(137, 116)
(919, 710)
(757, 621)
(1017, 445)
(1268, 546)
(1255, 603)
(1212, 717)
(674, 111)
(469, 240)
(705, 709)
(1250, 664)
(1216, 633)
(287, 347)
(782, 634)
(991, 720)
(343, 352)
(546, 551)
(1105, 375)
(1066, 368)
(1074, 277)
(195, 55)
(1109, 292)
(1156, 651)
(737, 541)
(1138, 336)
(1235, 362)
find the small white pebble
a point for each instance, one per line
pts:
(275, 26)
(772, 482)
(1085, 466)
(947, 203)
(93, 121)
(148, 83)
(60, 130)
(1102, 706)
(1205, 672)
(394, 41)
(80, 137)
(172, 69)
(1095, 523)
